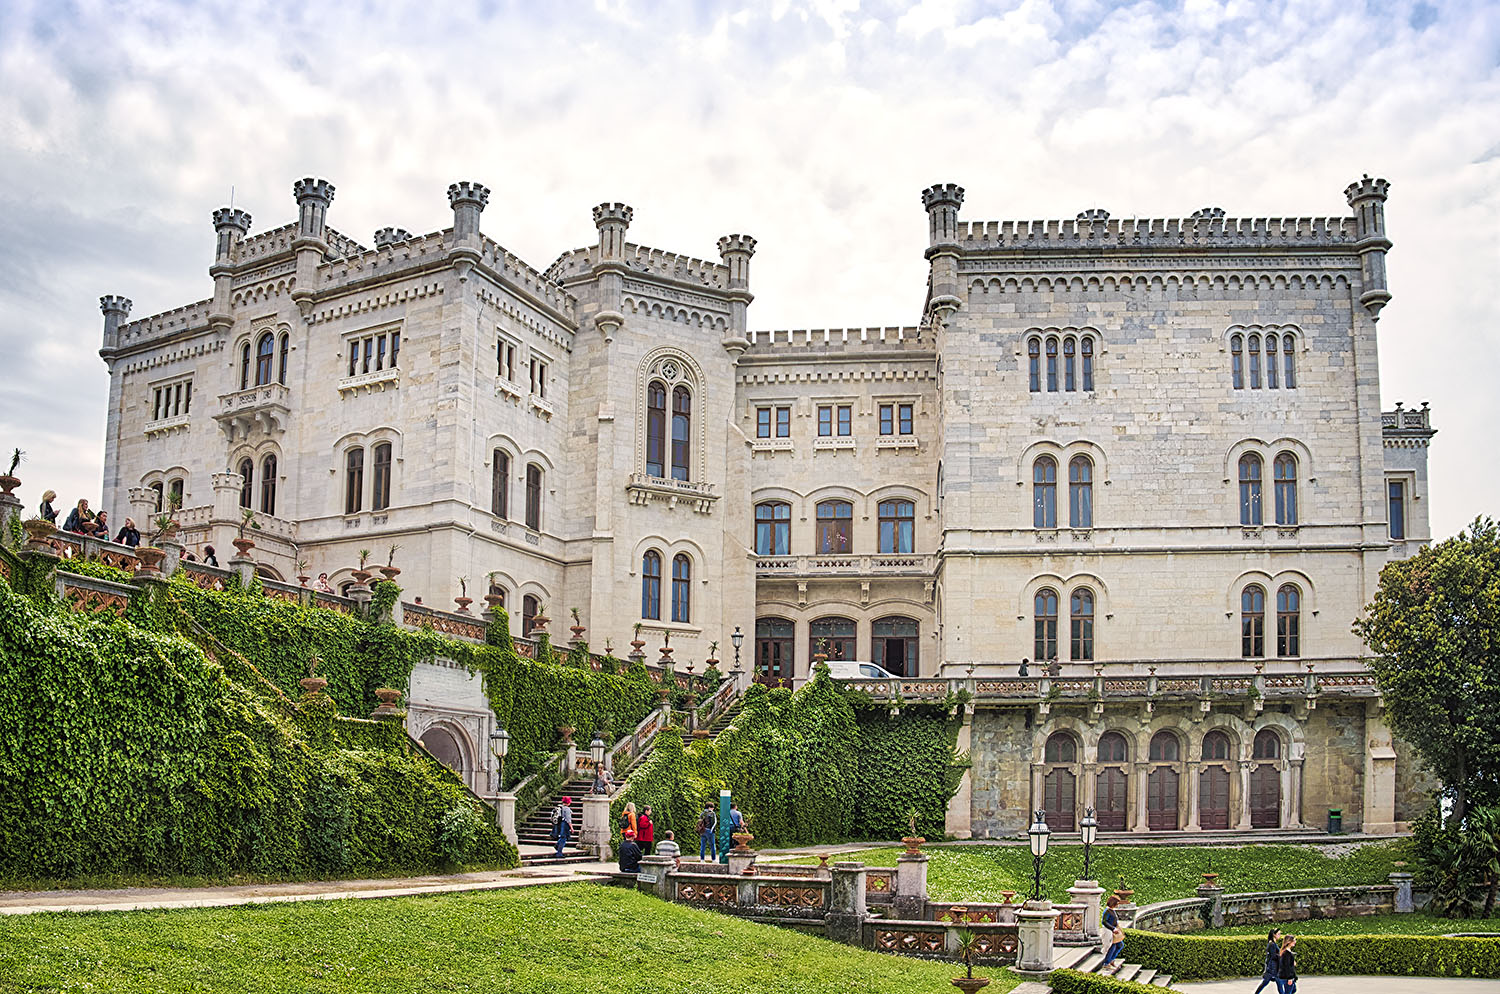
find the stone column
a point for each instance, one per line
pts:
(1088, 893)
(1034, 924)
(958, 821)
(739, 860)
(1142, 823)
(1294, 795)
(244, 568)
(1379, 809)
(1402, 882)
(1090, 786)
(846, 905)
(655, 877)
(1213, 914)
(1038, 792)
(595, 834)
(173, 550)
(1190, 782)
(572, 758)
(505, 816)
(10, 507)
(911, 886)
(1245, 766)
(143, 510)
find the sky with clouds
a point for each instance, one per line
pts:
(812, 126)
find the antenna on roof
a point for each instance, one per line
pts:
(231, 196)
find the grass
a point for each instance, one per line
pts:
(1411, 924)
(1156, 873)
(120, 881)
(577, 938)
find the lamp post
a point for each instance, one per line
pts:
(499, 746)
(1090, 829)
(1039, 833)
(738, 638)
(596, 750)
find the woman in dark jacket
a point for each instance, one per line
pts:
(49, 513)
(129, 534)
(79, 519)
(1273, 961)
(1286, 978)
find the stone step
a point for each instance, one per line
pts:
(1089, 963)
(1162, 980)
(1070, 958)
(1128, 971)
(1145, 976)
(564, 860)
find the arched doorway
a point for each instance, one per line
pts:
(1060, 783)
(446, 749)
(1265, 781)
(1213, 783)
(1112, 783)
(1161, 783)
(775, 658)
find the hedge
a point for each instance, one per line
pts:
(1074, 982)
(1194, 957)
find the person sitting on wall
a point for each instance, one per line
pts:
(100, 527)
(327, 588)
(79, 519)
(630, 853)
(129, 534)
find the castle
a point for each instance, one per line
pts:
(1145, 457)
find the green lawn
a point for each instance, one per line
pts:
(1156, 873)
(573, 939)
(1412, 924)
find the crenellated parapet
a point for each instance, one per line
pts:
(191, 317)
(386, 237)
(116, 309)
(313, 197)
(1407, 427)
(468, 200)
(231, 226)
(1207, 229)
(1367, 197)
(612, 220)
(821, 341)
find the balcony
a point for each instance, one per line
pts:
(267, 407)
(542, 407)
(771, 445)
(883, 564)
(646, 489)
(834, 442)
(896, 442)
(165, 426)
(374, 382)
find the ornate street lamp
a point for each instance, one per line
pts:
(596, 749)
(1039, 833)
(499, 746)
(1090, 829)
(738, 638)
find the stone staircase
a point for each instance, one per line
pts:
(1087, 959)
(536, 829)
(723, 721)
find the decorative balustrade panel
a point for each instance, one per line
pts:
(206, 577)
(911, 941)
(87, 596)
(789, 896)
(880, 885)
(707, 892)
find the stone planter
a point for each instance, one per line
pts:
(151, 559)
(913, 844)
(638, 645)
(539, 624)
(494, 600)
(742, 842)
(666, 655)
(566, 731)
(970, 984)
(388, 696)
(303, 579)
(701, 733)
(361, 575)
(313, 684)
(38, 530)
(577, 631)
(1125, 894)
(390, 572)
(1009, 896)
(1210, 880)
(463, 604)
(242, 545)
(8, 483)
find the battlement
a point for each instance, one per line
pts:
(682, 268)
(468, 192)
(736, 243)
(391, 236)
(825, 340)
(313, 189)
(1208, 229)
(510, 266)
(620, 213)
(166, 323)
(1365, 188)
(278, 240)
(229, 217)
(943, 195)
(1403, 423)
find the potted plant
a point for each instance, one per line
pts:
(638, 643)
(362, 575)
(577, 627)
(666, 649)
(38, 531)
(742, 837)
(463, 600)
(821, 655)
(494, 599)
(1210, 878)
(302, 576)
(713, 652)
(312, 683)
(539, 623)
(566, 731)
(1008, 895)
(390, 570)
(913, 842)
(243, 545)
(1123, 892)
(968, 950)
(9, 480)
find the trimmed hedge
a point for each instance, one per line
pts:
(1075, 982)
(1205, 957)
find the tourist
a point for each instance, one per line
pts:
(209, 558)
(562, 823)
(48, 512)
(324, 585)
(1116, 936)
(630, 854)
(601, 783)
(736, 818)
(79, 519)
(645, 832)
(1286, 975)
(671, 850)
(707, 823)
(1273, 960)
(100, 527)
(129, 534)
(190, 558)
(627, 819)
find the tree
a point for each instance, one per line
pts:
(1434, 627)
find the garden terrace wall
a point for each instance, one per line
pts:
(998, 942)
(1204, 957)
(1193, 914)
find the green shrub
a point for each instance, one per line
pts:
(1189, 957)
(459, 834)
(1074, 982)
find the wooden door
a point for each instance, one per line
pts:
(1265, 796)
(1161, 799)
(1059, 797)
(1111, 801)
(1213, 798)
(773, 661)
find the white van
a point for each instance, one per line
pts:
(854, 669)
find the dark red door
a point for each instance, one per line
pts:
(773, 661)
(1265, 797)
(1059, 795)
(1111, 784)
(1213, 798)
(1161, 799)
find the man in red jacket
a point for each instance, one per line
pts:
(645, 832)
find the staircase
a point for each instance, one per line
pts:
(723, 721)
(536, 829)
(1087, 959)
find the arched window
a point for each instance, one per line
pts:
(1045, 640)
(682, 421)
(1271, 378)
(500, 483)
(247, 483)
(1034, 364)
(773, 529)
(834, 636)
(775, 651)
(1081, 624)
(1215, 745)
(245, 366)
(1080, 492)
(529, 609)
(1289, 375)
(656, 429)
(1060, 748)
(354, 481)
(651, 585)
(1087, 347)
(896, 525)
(1254, 343)
(265, 354)
(380, 492)
(1284, 474)
(1044, 493)
(160, 499)
(1051, 365)
(286, 347)
(1267, 745)
(1237, 361)
(268, 485)
(835, 526)
(1165, 748)
(534, 497)
(682, 594)
(1250, 489)
(1253, 621)
(1113, 748)
(1070, 378)
(175, 492)
(895, 645)
(1288, 621)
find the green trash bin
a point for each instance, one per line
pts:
(1335, 821)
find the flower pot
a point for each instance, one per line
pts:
(1124, 895)
(38, 530)
(151, 559)
(913, 843)
(8, 483)
(313, 684)
(566, 731)
(666, 652)
(390, 572)
(742, 841)
(361, 575)
(303, 579)
(1210, 879)
(539, 623)
(494, 600)
(463, 604)
(638, 645)
(577, 631)
(702, 733)
(710, 661)
(242, 545)
(387, 696)
(970, 984)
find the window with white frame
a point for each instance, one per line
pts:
(505, 359)
(538, 377)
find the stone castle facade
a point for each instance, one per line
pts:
(1134, 455)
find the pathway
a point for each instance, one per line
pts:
(1351, 985)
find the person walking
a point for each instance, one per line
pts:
(630, 854)
(79, 518)
(707, 823)
(562, 823)
(1273, 960)
(645, 832)
(1116, 936)
(48, 512)
(129, 534)
(670, 849)
(1286, 975)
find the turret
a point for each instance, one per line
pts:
(942, 201)
(116, 309)
(313, 197)
(1367, 197)
(736, 251)
(390, 236)
(612, 220)
(468, 201)
(231, 225)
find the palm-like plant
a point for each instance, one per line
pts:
(968, 949)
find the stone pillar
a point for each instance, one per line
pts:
(1142, 822)
(1034, 924)
(595, 834)
(1294, 795)
(572, 758)
(173, 550)
(244, 568)
(227, 487)
(958, 821)
(1213, 912)
(1038, 775)
(1088, 893)
(10, 507)
(1190, 782)
(1244, 823)
(1402, 883)
(143, 510)
(911, 886)
(740, 860)
(655, 877)
(846, 904)
(1089, 786)
(505, 816)
(1379, 809)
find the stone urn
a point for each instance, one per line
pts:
(242, 545)
(742, 842)
(494, 601)
(313, 684)
(637, 645)
(566, 731)
(666, 655)
(539, 624)
(151, 559)
(663, 692)
(361, 575)
(1125, 894)
(577, 631)
(913, 844)
(1008, 895)
(390, 572)
(38, 530)
(8, 483)
(971, 984)
(1210, 880)
(387, 696)
(463, 604)
(303, 578)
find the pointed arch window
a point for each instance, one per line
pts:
(682, 423)
(1284, 475)
(247, 483)
(656, 429)
(1086, 347)
(1271, 367)
(1253, 622)
(500, 483)
(651, 585)
(1044, 641)
(1034, 364)
(773, 528)
(1081, 624)
(286, 347)
(1044, 493)
(245, 366)
(1289, 373)
(265, 355)
(1254, 362)
(1288, 621)
(1237, 361)
(268, 485)
(1250, 478)
(354, 481)
(380, 492)
(175, 492)
(1052, 365)
(1070, 373)
(682, 593)
(1080, 492)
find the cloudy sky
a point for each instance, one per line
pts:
(811, 126)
